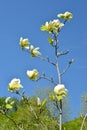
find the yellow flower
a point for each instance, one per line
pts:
(60, 91)
(14, 85)
(24, 43)
(32, 74)
(57, 24)
(34, 51)
(66, 15)
(52, 26)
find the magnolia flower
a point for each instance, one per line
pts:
(14, 85)
(52, 26)
(57, 23)
(32, 74)
(9, 104)
(66, 15)
(38, 101)
(60, 90)
(34, 51)
(24, 43)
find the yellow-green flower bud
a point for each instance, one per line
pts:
(38, 101)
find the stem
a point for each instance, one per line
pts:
(59, 79)
(58, 71)
(60, 127)
(57, 105)
(83, 121)
(57, 66)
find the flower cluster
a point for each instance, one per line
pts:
(14, 85)
(52, 26)
(60, 91)
(55, 25)
(32, 74)
(25, 44)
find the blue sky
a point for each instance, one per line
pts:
(24, 18)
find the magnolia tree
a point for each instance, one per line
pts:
(52, 28)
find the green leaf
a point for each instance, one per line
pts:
(51, 96)
(43, 28)
(12, 103)
(50, 40)
(44, 103)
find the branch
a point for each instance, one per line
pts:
(42, 58)
(49, 79)
(31, 109)
(14, 122)
(64, 71)
(83, 121)
(19, 128)
(47, 60)
(35, 115)
(27, 102)
(67, 67)
(62, 53)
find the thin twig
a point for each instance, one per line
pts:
(42, 58)
(49, 79)
(47, 60)
(64, 71)
(35, 115)
(62, 53)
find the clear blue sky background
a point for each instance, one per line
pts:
(24, 18)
